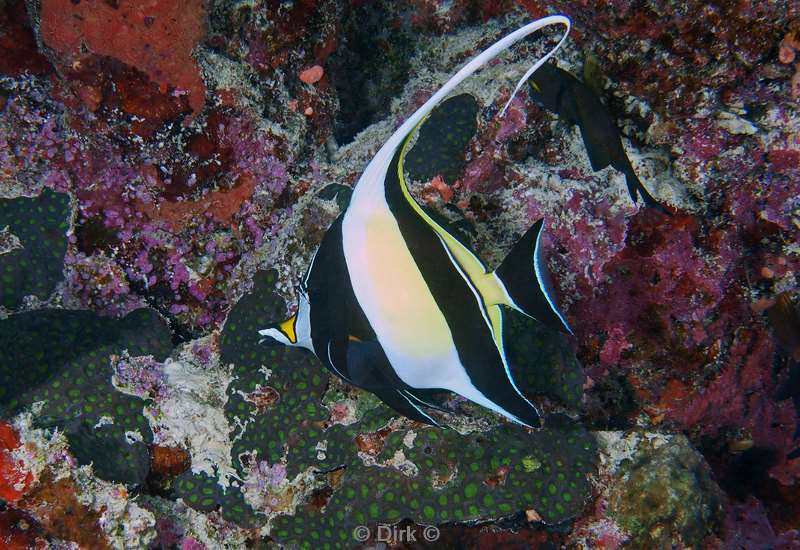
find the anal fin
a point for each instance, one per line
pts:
(404, 405)
(426, 398)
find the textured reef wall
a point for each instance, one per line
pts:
(167, 169)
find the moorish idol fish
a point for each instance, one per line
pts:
(395, 304)
(575, 103)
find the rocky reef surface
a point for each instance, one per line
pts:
(167, 169)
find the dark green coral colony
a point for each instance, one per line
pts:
(441, 146)
(541, 361)
(471, 478)
(40, 224)
(62, 359)
(430, 476)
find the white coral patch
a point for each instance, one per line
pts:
(191, 414)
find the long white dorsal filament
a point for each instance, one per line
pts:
(479, 61)
(372, 179)
(566, 22)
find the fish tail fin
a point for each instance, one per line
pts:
(526, 279)
(636, 188)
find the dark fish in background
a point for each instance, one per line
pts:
(572, 100)
(784, 319)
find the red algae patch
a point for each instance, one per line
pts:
(19, 531)
(312, 75)
(156, 37)
(169, 461)
(14, 481)
(56, 505)
(223, 205)
(18, 52)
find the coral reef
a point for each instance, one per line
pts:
(156, 158)
(71, 379)
(156, 39)
(666, 497)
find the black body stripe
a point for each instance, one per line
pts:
(471, 335)
(327, 311)
(336, 315)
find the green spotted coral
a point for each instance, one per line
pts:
(540, 360)
(61, 359)
(451, 478)
(441, 146)
(40, 224)
(380, 468)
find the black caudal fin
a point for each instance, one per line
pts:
(526, 279)
(635, 187)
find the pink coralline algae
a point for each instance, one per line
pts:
(141, 376)
(513, 122)
(97, 282)
(150, 226)
(266, 486)
(30, 139)
(595, 245)
(270, 475)
(483, 175)
(670, 299)
(190, 543)
(747, 526)
(486, 173)
(650, 268)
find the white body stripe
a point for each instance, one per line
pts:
(400, 307)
